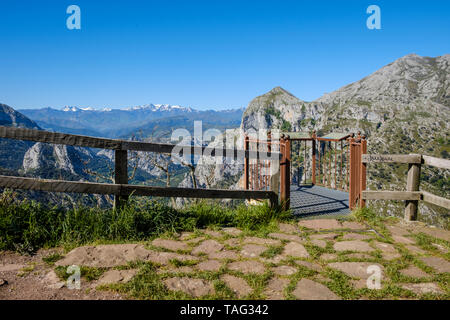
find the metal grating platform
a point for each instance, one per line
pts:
(314, 201)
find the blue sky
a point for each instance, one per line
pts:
(203, 54)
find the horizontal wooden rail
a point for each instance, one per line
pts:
(114, 144)
(391, 195)
(412, 195)
(407, 195)
(436, 162)
(436, 200)
(391, 158)
(127, 189)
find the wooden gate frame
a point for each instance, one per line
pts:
(357, 181)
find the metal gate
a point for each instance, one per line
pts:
(332, 161)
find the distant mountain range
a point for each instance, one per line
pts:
(156, 119)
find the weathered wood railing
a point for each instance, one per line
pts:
(413, 194)
(120, 188)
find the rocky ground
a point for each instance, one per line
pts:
(311, 259)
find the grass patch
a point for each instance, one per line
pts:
(88, 273)
(26, 226)
(272, 251)
(178, 263)
(52, 258)
(368, 215)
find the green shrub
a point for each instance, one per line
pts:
(27, 226)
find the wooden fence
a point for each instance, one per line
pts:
(120, 188)
(413, 194)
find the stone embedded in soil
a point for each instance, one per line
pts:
(310, 290)
(359, 284)
(166, 257)
(186, 236)
(195, 241)
(321, 224)
(354, 245)
(191, 286)
(252, 250)
(172, 245)
(355, 236)
(352, 225)
(11, 267)
(214, 234)
(52, 281)
(390, 255)
(360, 256)
(207, 247)
(233, 242)
(284, 270)
(440, 247)
(288, 228)
(436, 232)
(238, 285)
(182, 269)
(309, 265)
(328, 256)
(209, 265)
(262, 241)
(422, 288)
(247, 267)
(385, 247)
(324, 236)
(296, 250)
(355, 269)
(283, 236)
(319, 243)
(275, 288)
(415, 250)
(3, 282)
(414, 272)
(232, 231)
(117, 276)
(110, 255)
(438, 264)
(224, 255)
(277, 259)
(402, 239)
(397, 230)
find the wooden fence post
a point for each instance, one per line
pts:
(351, 185)
(120, 175)
(285, 167)
(362, 175)
(288, 173)
(313, 172)
(283, 170)
(246, 163)
(412, 184)
(274, 166)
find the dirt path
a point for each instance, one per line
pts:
(27, 279)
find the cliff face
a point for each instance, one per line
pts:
(279, 109)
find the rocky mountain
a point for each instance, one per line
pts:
(11, 118)
(154, 119)
(402, 108)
